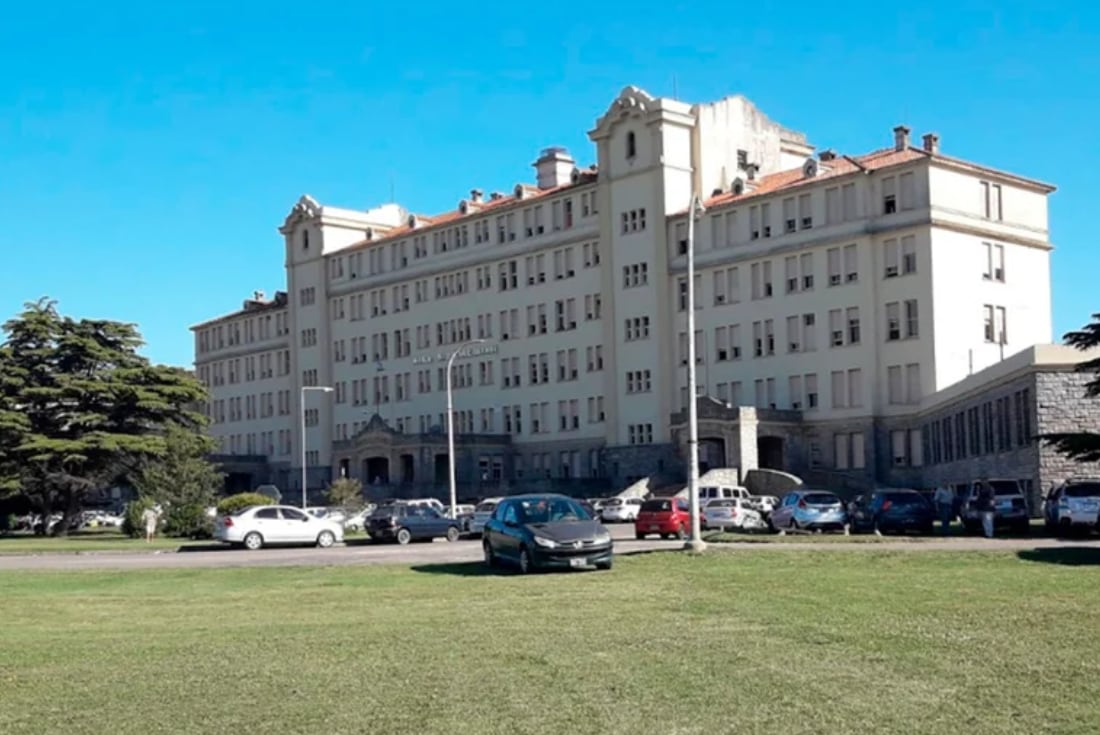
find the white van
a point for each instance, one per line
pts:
(722, 493)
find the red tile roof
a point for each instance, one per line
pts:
(530, 192)
(843, 165)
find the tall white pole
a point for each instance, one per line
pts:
(696, 543)
(451, 424)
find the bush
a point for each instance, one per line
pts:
(132, 525)
(188, 521)
(233, 503)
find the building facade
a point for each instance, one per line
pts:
(835, 295)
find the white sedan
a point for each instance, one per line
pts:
(622, 510)
(272, 525)
(735, 513)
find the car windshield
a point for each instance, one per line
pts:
(908, 499)
(613, 501)
(1083, 490)
(485, 507)
(551, 510)
(1004, 487)
(820, 499)
(242, 511)
(721, 504)
(387, 510)
(657, 506)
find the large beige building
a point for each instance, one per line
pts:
(836, 296)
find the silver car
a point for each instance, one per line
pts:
(1074, 503)
(811, 510)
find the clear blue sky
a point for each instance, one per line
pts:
(148, 151)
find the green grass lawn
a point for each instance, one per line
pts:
(96, 540)
(733, 641)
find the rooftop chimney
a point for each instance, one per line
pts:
(750, 170)
(931, 142)
(475, 195)
(493, 196)
(901, 138)
(554, 167)
(257, 295)
(827, 155)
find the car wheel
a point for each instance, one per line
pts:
(524, 561)
(604, 565)
(452, 533)
(639, 536)
(793, 525)
(490, 557)
(403, 536)
(253, 541)
(326, 539)
(681, 532)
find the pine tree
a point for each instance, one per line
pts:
(1082, 446)
(80, 409)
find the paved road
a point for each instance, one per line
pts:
(441, 552)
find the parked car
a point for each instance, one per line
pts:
(545, 532)
(812, 510)
(405, 522)
(336, 515)
(762, 503)
(666, 517)
(892, 510)
(735, 513)
(483, 511)
(620, 510)
(358, 521)
(1010, 507)
(1074, 503)
(272, 525)
(463, 514)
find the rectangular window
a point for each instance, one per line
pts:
(891, 258)
(852, 318)
(894, 388)
(805, 212)
(912, 319)
(855, 388)
(836, 328)
(838, 385)
(810, 382)
(794, 391)
(848, 194)
(790, 221)
(912, 383)
(809, 332)
(806, 268)
(889, 196)
(893, 321)
(908, 254)
(907, 191)
(851, 264)
(832, 258)
(833, 211)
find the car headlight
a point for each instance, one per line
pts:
(602, 538)
(545, 542)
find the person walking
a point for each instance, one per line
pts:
(944, 500)
(986, 503)
(150, 518)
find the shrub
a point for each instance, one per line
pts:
(132, 524)
(188, 521)
(233, 503)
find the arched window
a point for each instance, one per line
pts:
(631, 145)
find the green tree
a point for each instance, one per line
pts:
(80, 409)
(182, 480)
(1083, 446)
(346, 493)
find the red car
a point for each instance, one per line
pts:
(665, 516)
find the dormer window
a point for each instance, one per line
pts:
(631, 145)
(305, 239)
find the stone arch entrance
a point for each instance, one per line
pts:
(712, 454)
(376, 471)
(769, 452)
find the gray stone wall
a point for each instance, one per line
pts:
(641, 460)
(1063, 407)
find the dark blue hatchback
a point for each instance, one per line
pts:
(892, 511)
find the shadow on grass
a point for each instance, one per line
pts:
(1069, 556)
(464, 569)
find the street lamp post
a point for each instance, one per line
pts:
(451, 422)
(302, 407)
(696, 544)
